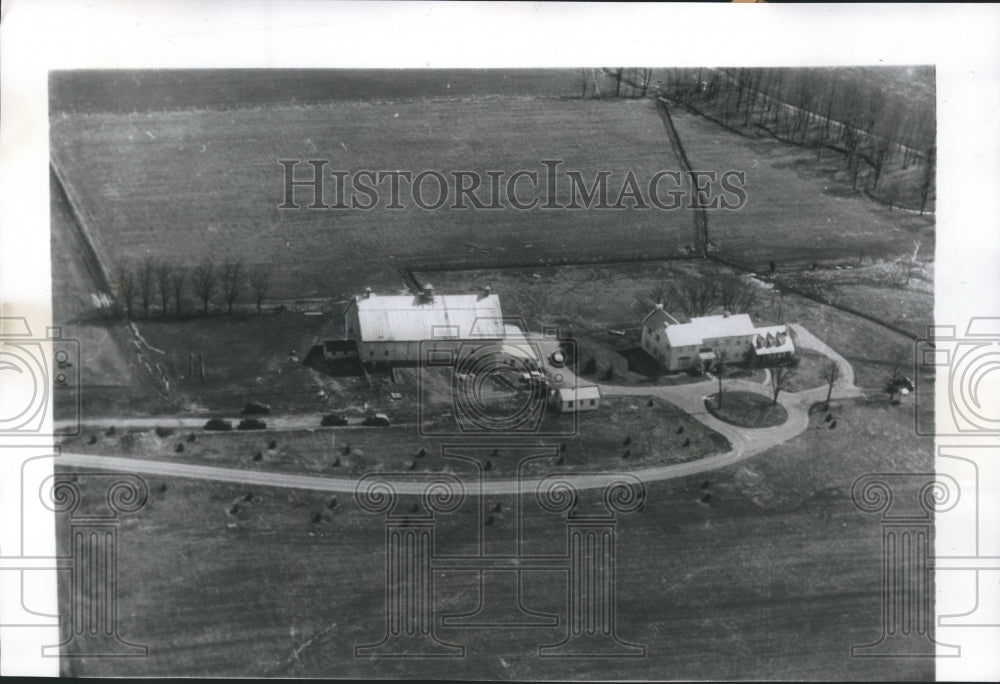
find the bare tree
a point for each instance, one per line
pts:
(178, 279)
(204, 279)
(831, 373)
(163, 271)
(260, 283)
(719, 368)
(735, 294)
(780, 376)
(232, 282)
(147, 284)
(928, 177)
(125, 285)
(694, 297)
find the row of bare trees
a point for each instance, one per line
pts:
(847, 111)
(148, 284)
(692, 297)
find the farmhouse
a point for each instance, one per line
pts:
(696, 344)
(399, 328)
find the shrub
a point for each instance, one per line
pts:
(489, 465)
(560, 460)
(680, 430)
(248, 496)
(255, 408)
(498, 508)
(162, 488)
(687, 441)
(422, 452)
(179, 448)
(628, 440)
(234, 509)
(273, 444)
(706, 484)
(110, 431)
(92, 440)
(347, 450)
(218, 424)
(336, 462)
(163, 431)
(332, 503)
(609, 374)
(258, 456)
(590, 367)
(191, 437)
(627, 454)
(706, 497)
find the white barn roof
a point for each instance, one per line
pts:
(708, 328)
(412, 318)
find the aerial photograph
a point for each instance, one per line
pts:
(508, 374)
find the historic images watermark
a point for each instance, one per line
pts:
(971, 364)
(310, 184)
(32, 368)
(587, 562)
(91, 505)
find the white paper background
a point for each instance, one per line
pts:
(962, 41)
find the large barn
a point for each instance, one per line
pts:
(392, 329)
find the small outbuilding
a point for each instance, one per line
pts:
(578, 399)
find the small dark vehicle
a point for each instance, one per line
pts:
(255, 408)
(379, 420)
(333, 419)
(251, 424)
(218, 424)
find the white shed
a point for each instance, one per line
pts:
(577, 399)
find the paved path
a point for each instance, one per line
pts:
(746, 442)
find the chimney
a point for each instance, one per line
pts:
(368, 292)
(484, 292)
(659, 306)
(725, 314)
(428, 294)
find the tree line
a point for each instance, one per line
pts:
(850, 112)
(150, 284)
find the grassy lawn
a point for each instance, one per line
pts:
(746, 409)
(624, 433)
(808, 372)
(774, 575)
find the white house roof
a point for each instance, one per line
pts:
(412, 318)
(657, 318)
(708, 328)
(579, 393)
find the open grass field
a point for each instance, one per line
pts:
(113, 90)
(794, 214)
(184, 185)
(776, 575)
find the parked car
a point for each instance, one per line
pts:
(218, 424)
(251, 424)
(332, 419)
(379, 419)
(255, 408)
